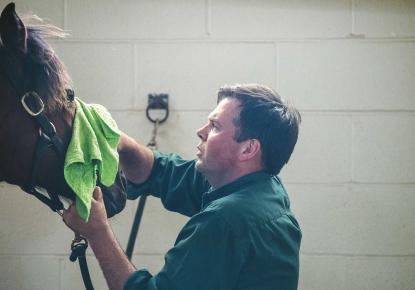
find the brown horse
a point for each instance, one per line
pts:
(29, 64)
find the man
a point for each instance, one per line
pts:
(241, 234)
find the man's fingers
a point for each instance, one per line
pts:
(97, 193)
(66, 215)
(67, 211)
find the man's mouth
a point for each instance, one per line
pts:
(199, 152)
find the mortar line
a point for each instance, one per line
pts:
(354, 183)
(352, 150)
(65, 15)
(60, 274)
(359, 255)
(208, 15)
(352, 8)
(135, 76)
(301, 110)
(62, 257)
(241, 40)
(277, 66)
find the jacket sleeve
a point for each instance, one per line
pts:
(175, 181)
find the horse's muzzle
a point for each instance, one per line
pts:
(115, 196)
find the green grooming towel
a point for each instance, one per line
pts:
(92, 152)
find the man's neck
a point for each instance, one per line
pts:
(220, 180)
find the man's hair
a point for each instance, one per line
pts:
(265, 116)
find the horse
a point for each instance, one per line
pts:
(35, 97)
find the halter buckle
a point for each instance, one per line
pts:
(38, 101)
(46, 136)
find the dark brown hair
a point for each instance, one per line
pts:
(265, 116)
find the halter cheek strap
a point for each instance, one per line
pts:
(45, 141)
(33, 104)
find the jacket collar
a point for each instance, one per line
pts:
(236, 185)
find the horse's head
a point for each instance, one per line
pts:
(28, 63)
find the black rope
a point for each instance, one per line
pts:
(85, 273)
(78, 250)
(136, 226)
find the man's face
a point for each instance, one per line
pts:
(217, 150)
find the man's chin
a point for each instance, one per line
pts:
(199, 165)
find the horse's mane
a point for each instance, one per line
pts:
(48, 74)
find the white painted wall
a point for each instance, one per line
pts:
(348, 65)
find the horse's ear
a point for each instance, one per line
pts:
(12, 30)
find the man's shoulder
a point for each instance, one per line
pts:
(254, 207)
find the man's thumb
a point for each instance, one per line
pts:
(97, 193)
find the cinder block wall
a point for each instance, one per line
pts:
(348, 65)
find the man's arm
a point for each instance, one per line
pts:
(98, 232)
(136, 160)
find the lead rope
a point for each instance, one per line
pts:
(79, 243)
(152, 144)
(78, 249)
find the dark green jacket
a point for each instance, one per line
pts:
(240, 236)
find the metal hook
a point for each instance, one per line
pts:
(158, 102)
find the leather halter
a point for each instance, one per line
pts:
(33, 105)
(47, 138)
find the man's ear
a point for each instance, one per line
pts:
(249, 149)
(12, 30)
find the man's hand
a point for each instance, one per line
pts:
(97, 223)
(97, 230)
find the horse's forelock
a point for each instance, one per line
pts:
(52, 77)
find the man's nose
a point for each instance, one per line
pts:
(201, 133)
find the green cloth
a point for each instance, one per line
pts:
(92, 152)
(240, 236)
